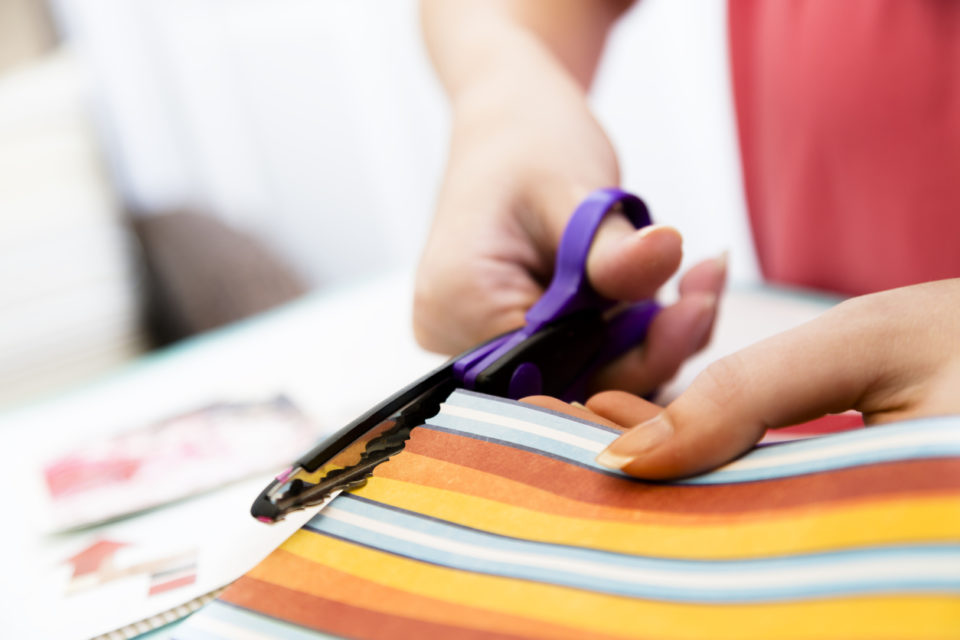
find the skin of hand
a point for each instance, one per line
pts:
(525, 150)
(893, 356)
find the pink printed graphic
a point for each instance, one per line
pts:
(97, 565)
(154, 464)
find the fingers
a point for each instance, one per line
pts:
(549, 402)
(677, 332)
(622, 408)
(708, 276)
(610, 408)
(855, 356)
(631, 264)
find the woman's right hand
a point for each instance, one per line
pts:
(525, 150)
(516, 171)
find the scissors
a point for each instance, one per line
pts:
(570, 332)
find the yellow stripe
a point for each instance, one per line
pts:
(889, 617)
(324, 582)
(882, 521)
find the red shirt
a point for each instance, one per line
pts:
(849, 122)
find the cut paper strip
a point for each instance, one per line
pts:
(495, 522)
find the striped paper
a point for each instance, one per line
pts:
(495, 522)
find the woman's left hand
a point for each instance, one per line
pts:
(893, 356)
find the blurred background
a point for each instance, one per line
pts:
(170, 166)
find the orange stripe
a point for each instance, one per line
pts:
(437, 474)
(331, 616)
(430, 472)
(283, 568)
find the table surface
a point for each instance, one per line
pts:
(334, 353)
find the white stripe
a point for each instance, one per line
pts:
(878, 441)
(864, 568)
(522, 425)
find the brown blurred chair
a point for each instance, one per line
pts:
(202, 274)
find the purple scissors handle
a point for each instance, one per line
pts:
(568, 295)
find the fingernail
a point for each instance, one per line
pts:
(651, 228)
(704, 321)
(634, 443)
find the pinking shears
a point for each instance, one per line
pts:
(569, 333)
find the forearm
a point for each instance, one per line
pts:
(483, 49)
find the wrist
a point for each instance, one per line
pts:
(520, 74)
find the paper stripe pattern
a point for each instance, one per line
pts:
(495, 522)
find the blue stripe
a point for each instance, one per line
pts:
(945, 426)
(833, 463)
(732, 588)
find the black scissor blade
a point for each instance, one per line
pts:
(348, 458)
(404, 401)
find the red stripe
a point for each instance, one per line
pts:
(835, 423)
(932, 476)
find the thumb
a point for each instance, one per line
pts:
(631, 264)
(853, 356)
